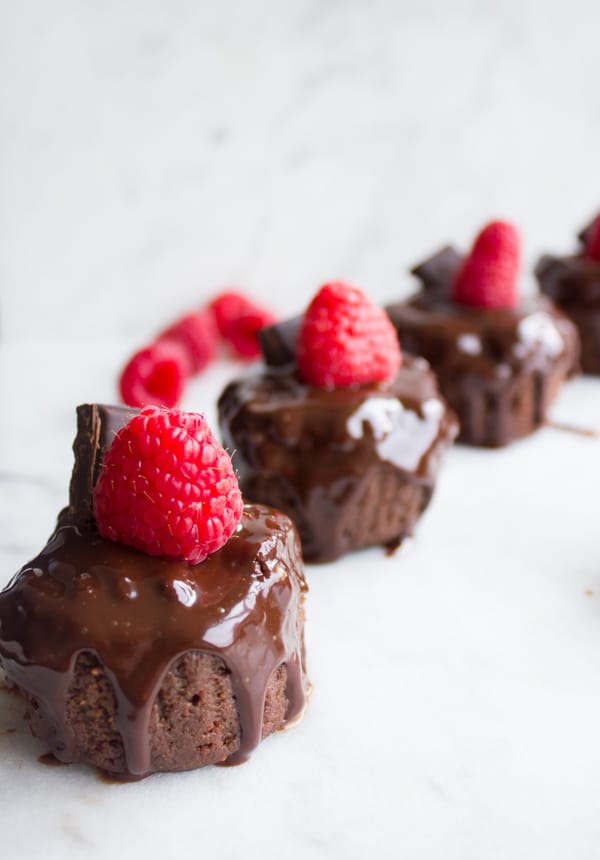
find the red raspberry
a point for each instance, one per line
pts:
(592, 241)
(244, 333)
(197, 334)
(226, 308)
(488, 276)
(167, 487)
(155, 375)
(346, 340)
(239, 322)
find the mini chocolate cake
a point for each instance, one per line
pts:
(499, 369)
(573, 283)
(135, 663)
(353, 466)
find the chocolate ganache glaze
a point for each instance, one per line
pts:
(353, 466)
(498, 369)
(88, 608)
(573, 283)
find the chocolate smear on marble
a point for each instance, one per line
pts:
(587, 432)
(50, 760)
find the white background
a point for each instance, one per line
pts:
(151, 153)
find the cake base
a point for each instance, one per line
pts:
(352, 466)
(194, 719)
(499, 369)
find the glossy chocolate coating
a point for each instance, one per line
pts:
(498, 369)
(352, 466)
(573, 283)
(138, 615)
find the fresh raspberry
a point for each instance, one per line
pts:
(197, 334)
(155, 375)
(244, 332)
(167, 487)
(488, 276)
(592, 240)
(239, 321)
(346, 340)
(227, 308)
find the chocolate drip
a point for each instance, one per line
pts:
(572, 282)
(139, 614)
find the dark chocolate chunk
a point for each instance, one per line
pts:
(278, 342)
(573, 283)
(97, 426)
(353, 466)
(584, 234)
(438, 271)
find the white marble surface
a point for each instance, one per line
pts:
(151, 152)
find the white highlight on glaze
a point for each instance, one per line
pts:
(469, 344)
(381, 413)
(185, 593)
(503, 371)
(401, 435)
(540, 328)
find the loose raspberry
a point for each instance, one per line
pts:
(592, 240)
(167, 487)
(197, 334)
(345, 339)
(155, 375)
(488, 276)
(244, 333)
(227, 308)
(239, 321)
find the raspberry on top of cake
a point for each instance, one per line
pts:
(338, 430)
(572, 282)
(500, 358)
(161, 628)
